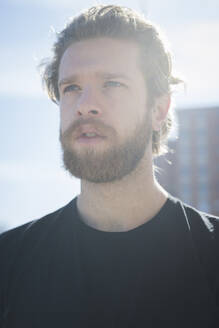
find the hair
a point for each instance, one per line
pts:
(120, 23)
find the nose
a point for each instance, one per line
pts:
(87, 104)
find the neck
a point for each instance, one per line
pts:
(122, 205)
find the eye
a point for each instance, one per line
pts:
(71, 87)
(112, 84)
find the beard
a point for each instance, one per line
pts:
(111, 164)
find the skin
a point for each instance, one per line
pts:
(124, 204)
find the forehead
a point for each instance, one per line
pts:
(101, 54)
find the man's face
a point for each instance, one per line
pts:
(105, 123)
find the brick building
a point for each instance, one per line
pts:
(193, 175)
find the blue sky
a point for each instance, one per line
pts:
(33, 181)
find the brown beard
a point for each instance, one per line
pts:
(112, 164)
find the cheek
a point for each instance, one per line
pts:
(126, 123)
(66, 116)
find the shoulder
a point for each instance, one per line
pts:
(27, 236)
(204, 232)
(12, 236)
(201, 221)
(197, 220)
(203, 229)
(20, 243)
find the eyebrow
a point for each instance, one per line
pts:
(104, 75)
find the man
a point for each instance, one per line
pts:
(124, 253)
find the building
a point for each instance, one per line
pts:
(193, 175)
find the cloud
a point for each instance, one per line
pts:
(19, 76)
(30, 191)
(20, 83)
(32, 172)
(53, 4)
(196, 54)
(181, 12)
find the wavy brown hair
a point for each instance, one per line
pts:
(126, 24)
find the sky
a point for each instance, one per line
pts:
(32, 179)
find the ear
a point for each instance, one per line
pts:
(159, 111)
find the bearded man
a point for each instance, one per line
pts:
(123, 253)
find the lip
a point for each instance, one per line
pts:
(90, 140)
(83, 129)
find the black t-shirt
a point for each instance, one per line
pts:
(59, 272)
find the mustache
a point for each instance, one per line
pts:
(97, 124)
